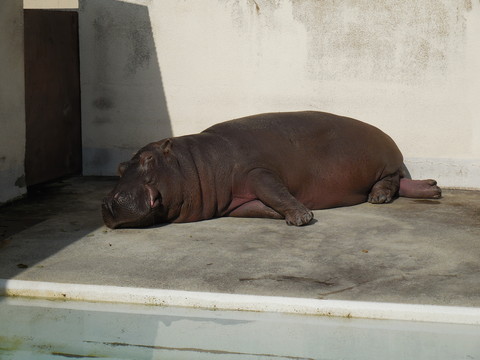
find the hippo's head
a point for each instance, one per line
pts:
(136, 200)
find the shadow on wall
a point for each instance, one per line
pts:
(123, 100)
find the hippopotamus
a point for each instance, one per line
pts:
(273, 165)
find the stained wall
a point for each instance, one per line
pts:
(152, 69)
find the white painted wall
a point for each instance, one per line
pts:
(12, 101)
(151, 69)
(50, 4)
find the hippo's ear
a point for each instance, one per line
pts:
(166, 146)
(121, 168)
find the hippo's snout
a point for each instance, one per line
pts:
(123, 209)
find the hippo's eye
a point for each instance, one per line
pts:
(146, 159)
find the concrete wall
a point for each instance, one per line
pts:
(123, 100)
(151, 69)
(12, 101)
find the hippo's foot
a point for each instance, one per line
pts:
(381, 196)
(384, 190)
(422, 189)
(298, 218)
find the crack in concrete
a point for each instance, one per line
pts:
(403, 276)
(210, 351)
(290, 278)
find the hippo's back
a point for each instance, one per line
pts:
(286, 123)
(297, 126)
(306, 132)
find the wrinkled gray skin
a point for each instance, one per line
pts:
(275, 165)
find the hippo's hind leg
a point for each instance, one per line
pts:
(255, 209)
(424, 189)
(385, 189)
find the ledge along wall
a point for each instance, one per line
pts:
(152, 69)
(12, 102)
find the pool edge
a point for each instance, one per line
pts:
(237, 302)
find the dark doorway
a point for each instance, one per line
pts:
(52, 95)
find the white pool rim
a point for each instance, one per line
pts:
(236, 302)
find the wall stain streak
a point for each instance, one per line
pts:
(389, 41)
(140, 55)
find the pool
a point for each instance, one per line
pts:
(65, 321)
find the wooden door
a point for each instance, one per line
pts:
(52, 95)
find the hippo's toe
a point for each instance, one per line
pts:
(299, 218)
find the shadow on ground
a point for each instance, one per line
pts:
(50, 218)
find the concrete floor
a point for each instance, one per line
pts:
(410, 251)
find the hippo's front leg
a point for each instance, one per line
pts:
(270, 190)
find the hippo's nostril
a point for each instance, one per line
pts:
(108, 213)
(107, 206)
